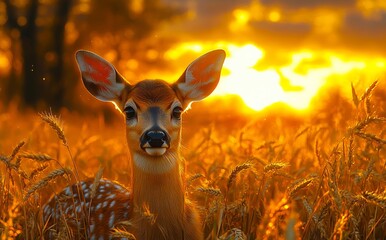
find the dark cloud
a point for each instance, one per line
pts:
(281, 33)
(282, 28)
(296, 27)
(356, 23)
(295, 4)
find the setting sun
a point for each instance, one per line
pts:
(295, 83)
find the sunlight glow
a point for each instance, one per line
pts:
(4, 63)
(241, 18)
(274, 16)
(294, 83)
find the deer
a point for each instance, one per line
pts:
(152, 110)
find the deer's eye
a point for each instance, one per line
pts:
(177, 113)
(130, 113)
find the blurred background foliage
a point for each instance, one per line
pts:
(41, 36)
(277, 51)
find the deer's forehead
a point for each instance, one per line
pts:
(150, 93)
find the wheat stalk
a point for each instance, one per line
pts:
(16, 150)
(38, 170)
(192, 178)
(210, 191)
(369, 90)
(298, 186)
(95, 184)
(40, 157)
(274, 166)
(146, 214)
(379, 199)
(236, 171)
(371, 137)
(44, 181)
(55, 124)
(120, 233)
(354, 95)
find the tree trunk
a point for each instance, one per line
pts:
(42, 79)
(54, 85)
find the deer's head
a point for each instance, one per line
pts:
(152, 108)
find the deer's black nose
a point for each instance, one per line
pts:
(155, 138)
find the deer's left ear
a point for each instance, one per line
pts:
(201, 77)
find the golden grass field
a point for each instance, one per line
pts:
(270, 175)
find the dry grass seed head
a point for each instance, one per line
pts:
(95, 184)
(379, 199)
(16, 150)
(38, 170)
(371, 137)
(237, 170)
(292, 190)
(340, 226)
(192, 178)
(121, 233)
(44, 181)
(233, 234)
(354, 95)
(40, 157)
(55, 124)
(369, 90)
(146, 214)
(274, 166)
(210, 191)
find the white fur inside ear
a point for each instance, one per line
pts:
(201, 76)
(99, 76)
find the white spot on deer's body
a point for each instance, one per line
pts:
(100, 216)
(46, 209)
(112, 196)
(98, 206)
(111, 219)
(92, 226)
(112, 204)
(105, 204)
(68, 191)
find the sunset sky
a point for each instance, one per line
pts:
(285, 51)
(277, 50)
(347, 24)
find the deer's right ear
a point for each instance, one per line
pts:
(99, 76)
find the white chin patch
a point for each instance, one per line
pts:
(155, 151)
(155, 164)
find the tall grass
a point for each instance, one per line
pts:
(319, 176)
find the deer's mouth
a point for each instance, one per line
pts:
(154, 149)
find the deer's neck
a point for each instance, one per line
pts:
(160, 189)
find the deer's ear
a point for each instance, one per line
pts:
(99, 76)
(201, 77)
